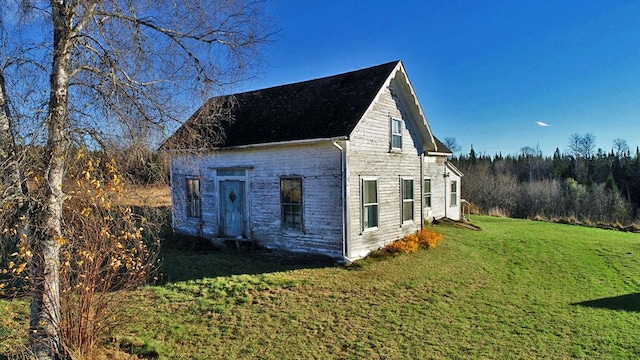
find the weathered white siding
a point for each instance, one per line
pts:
(453, 210)
(435, 168)
(319, 165)
(370, 155)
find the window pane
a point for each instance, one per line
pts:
(193, 198)
(196, 189)
(296, 212)
(291, 190)
(296, 190)
(371, 216)
(407, 192)
(427, 186)
(287, 217)
(397, 126)
(285, 191)
(407, 211)
(196, 208)
(189, 189)
(370, 191)
(396, 141)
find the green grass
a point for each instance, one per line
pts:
(516, 289)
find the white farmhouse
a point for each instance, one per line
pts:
(340, 165)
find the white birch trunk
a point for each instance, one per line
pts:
(45, 303)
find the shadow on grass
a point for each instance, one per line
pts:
(186, 258)
(629, 302)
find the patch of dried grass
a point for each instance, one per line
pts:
(152, 196)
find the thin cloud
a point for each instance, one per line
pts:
(543, 124)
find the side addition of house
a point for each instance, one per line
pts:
(340, 165)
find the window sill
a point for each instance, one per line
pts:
(395, 151)
(371, 229)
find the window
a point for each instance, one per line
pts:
(194, 201)
(454, 193)
(407, 200)
(369, 203)
(396, 133)
(426, 191)
(291, 202)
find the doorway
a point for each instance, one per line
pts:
(232, 208)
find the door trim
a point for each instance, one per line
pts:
(244, 180)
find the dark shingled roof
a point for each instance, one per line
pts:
(441, 148)
(321, 108)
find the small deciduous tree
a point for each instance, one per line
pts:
(582, 149)
(451, 144)
(620, 147)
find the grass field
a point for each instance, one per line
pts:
(516, 289)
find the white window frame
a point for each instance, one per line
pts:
(426, 195)
(283, 205)
(454, 193)
(396, 134)
(404, 201)
(194, 203)
(365, 206)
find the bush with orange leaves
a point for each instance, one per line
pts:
(411, 243)
(428, 238)
(408, 245)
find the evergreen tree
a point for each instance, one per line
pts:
(472, 156)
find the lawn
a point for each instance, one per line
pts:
(515, 289)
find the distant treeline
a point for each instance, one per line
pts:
(579, 185)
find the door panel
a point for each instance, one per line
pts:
(232, 208)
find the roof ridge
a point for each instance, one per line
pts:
(309, 80)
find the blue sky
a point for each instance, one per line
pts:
(485, 72)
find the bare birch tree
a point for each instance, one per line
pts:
(112, 70)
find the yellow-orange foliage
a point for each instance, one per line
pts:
(411, 243)
(408, 244)
(428, 238)
(105, 249)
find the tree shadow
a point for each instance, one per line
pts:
(629, 302)
(186, 258)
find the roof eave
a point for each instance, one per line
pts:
(454, 169)
(268, 144)
(436, 153)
